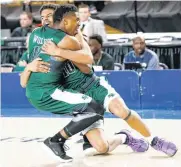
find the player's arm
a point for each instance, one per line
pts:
(71, 49)
(35, 66)
(85, 68)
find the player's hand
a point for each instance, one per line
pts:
(38, 65)
(50, 48)
(79, 36)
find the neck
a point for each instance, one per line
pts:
(137, 54)
(55, 26)
(59, 26)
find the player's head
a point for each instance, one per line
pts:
(139, 44)
(95, 43)
(84, 12)
(46, 12)
(66, 19)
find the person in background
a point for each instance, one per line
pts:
(90, 26)
(23, 61)
(37, 66)
(141, 54)
(26, 23)
(100, 58)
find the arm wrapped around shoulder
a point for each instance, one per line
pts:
(84, 68)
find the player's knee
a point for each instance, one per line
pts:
(102, 147)
(118, 107)
(98, 108)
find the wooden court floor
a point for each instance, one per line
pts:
(21, 144)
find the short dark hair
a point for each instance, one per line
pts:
(98, 38)
(62, 10)
(83, 6)
(48, 6)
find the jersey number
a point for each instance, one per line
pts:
(68, 69)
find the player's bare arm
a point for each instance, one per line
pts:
(84, 68)
(69, 48)
(74, 45)
(35, 66)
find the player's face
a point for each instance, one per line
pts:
(94, 46)
(84, 14)
(139, 45)
(71, 24)
(47, 17)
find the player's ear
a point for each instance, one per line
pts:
(65, 21)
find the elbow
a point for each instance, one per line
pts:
(23, 85)
(90, 60)
(87, 71)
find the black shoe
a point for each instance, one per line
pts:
(86, 143)
(58, 149)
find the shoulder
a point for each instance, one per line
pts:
(106, 58)
(151, 53)
(17, 29)
(95, 21)
(69, 42)
(106, 55)
(36, 30)
(59, 32)
(130, 54)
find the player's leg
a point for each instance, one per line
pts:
(95, 136)
(85, 110)
(116, 105)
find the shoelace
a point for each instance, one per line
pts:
(159, 144)
(66, 147)
(134, 144)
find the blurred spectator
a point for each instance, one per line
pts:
(141, 54)
(90, 26)
(101, 58)
(26, 23)
(23, 61)
(3, 23)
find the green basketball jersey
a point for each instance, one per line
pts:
(39, 83)
(24, 57)
(73, 77)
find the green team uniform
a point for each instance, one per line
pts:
(24, 57)
(43, 89)
(95, 87)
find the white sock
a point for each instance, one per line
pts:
(114, 142)
(121, 138)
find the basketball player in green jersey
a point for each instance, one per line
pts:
(89, 138)
(116, 140)
(103, 93)
(45, 92)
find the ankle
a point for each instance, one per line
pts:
(58, 138)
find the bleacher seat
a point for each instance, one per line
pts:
(7, 67)
(118, 66)
(163, 66)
